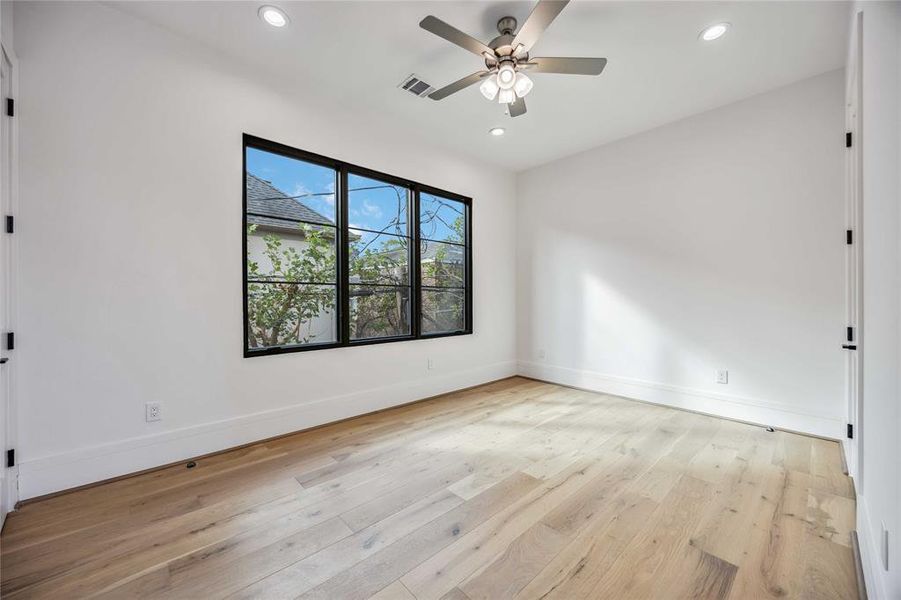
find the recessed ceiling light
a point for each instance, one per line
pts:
(496, 131)
(273, 16)
(714, 32)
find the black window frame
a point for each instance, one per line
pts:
(342, 170)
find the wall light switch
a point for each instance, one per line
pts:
(722, 376)
(431, 363)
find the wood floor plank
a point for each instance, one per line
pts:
(587, 559)
(395, 591)
(826, 469)
(664, 539)
(515, 489)
(217, 570)
(770, 566)
(697, 575)
(829, 571)
(390, 564)
(525, 557)
(831, 517)
(445, 570)
(296, 578)
(736, 500)
(66, 565)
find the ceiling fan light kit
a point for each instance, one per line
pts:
(507, 56)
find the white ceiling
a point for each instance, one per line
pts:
(658, 70)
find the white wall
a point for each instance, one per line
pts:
(879, 497)
(130, 237)
(713, 242)
(6, 24)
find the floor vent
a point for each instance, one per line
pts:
(416, 86)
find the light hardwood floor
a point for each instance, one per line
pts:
(516, 489)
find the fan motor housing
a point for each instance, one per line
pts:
(503, 44)
(506, 25)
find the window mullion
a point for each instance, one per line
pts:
(415, 264)
(343, 257)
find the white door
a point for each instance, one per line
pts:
(853, 266)
(7, 481)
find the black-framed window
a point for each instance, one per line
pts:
(339, 255)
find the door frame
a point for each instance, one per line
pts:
(9, 206)
(854, 392)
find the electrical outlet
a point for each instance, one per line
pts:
(431, 363)
(884, 547)
(722, 376)
(541, 354)
(153, 412)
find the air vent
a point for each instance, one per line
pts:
(416, 86)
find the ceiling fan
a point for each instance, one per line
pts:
(507, 57)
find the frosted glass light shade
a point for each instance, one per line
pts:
(489, 87)
(522, 86)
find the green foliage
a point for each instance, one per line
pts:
(376, 310)
(281, 313)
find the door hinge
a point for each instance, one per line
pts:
(10, 224)
(11, 457)
(850, 431)
(10, 107)
(849, 236)
(849, 331)
(847, 139)
(10, 341)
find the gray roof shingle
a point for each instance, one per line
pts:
(271, 208)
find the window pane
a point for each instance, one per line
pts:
(300, 252)
(442, 311)
(376, 205)
(377, 311)
(282, 314)
(280, 188)
(291, 237)
(441, 219)
(378, 258)
(443, 265)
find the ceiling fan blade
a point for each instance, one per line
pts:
(517, 107)
(458, 85)
(455, 36)
(539, 19)
(568, 65)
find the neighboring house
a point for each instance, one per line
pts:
(272, 211)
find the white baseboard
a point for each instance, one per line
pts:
(762, 412)
(58, 472)
(873, 573)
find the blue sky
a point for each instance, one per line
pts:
(295, 177)
(375, 209)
